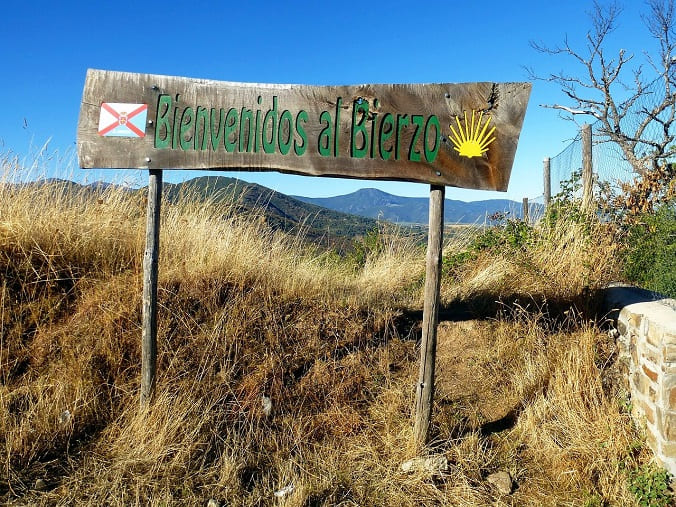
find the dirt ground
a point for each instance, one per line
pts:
(471, 387)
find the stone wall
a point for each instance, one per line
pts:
(646, 335)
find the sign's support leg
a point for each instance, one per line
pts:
(428, 346)
(150, 265)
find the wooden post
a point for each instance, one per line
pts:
(525, 211)
(548, 182)
(428, 345)
(587, 174)
(150, 262)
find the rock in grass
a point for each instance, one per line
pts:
(433, 465)
(287, 490)
(213, 503)
(502, 482)
(40, 485)
(64, 417)
(266, 405)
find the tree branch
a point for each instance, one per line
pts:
(594, 92)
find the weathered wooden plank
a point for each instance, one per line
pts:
(428, 346)
(150, 277)
(399, 132)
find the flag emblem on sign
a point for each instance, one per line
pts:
(123, 120)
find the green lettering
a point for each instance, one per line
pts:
(359, 106)
(430, 155)
(285, 128)
(187, 127)
(324, 140)
(401, 122)
(217, 139)
(413, 154)
(177, 129)
(374, 123)
(269, 146)
(299, 149)
(162, 121)
(257, 131)
(339, 105)
(230, 130)
(385, 135)
(246, 115)
(202, 114)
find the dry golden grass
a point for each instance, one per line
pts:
(560, 262)
(247, 312)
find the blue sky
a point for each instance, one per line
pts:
(47, 47)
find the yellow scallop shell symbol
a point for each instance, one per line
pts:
(472, 138)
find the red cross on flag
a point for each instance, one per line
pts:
(123, 120)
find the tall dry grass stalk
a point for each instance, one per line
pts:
(574, 430)
(229, 287)
(247, 312)
(561, 262)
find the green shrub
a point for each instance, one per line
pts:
(452, 262)
(567, 205)
(594, 500)
(650, 257)
(504, 234)
(370, 244)
(650, 485)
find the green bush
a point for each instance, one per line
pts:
(650, 485)
(504, 234)
(371, 244)
(594, 500)
(452, 262)
(650, 257)
(567, 205)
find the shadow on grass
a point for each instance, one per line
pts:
(552, 314)
(558, 313)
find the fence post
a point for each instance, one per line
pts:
(150, 272)
(587, 169)
(548, 182)
(428, 346)
(525, 211)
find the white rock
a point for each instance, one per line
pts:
(213, 503)
(266, 403)
(502, 482)
(64, 417)
(287, 490)
(434, 465)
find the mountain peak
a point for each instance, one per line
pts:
(374, 203)
(370, 192)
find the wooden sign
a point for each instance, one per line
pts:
(461, 135)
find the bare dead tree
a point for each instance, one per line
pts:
(617, 91)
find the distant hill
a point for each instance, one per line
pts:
(281, 211)
(329, 221)
(373, 203)
(318, 225)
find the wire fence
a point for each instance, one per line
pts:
(610, 165)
